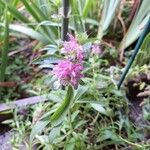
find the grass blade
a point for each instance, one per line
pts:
(39, 16)
(78, 21)
(109, 10)
(5, 48)
(30, 32)
(139, 20)
(14, 11)
(87, 7)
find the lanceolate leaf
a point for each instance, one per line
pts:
(137, 24)
(61, 112)
(29, 32)
(108, 13)
(80, 91)
(54, 133)
(37, 129)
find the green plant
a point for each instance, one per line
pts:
(137, 47)
(108, 13)
(136, 27)
(4, 53)
(36, 27)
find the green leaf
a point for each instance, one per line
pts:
(5, 48)
(29, 32)
(80, 91)
(78, 21)
(61, 112)
(99, 108)
(47, 58)
(14, 12)
(37, 129)
(32, 9)
(143, 54)
(108, 13)
(87, 7)
(137, 24)
(70, 145)
(54, 133)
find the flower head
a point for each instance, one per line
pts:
(68, 72)
(96, 49)
(72, 49)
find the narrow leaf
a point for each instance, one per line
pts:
(61, 112)
(29, 32)
(5, 48)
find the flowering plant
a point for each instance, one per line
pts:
(69, 70)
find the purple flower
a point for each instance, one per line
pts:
(72, 49)
(96, 49)
(71, 45)
(68, 72)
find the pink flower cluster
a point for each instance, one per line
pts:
(69, 70)
(72, 49)
(96, 49)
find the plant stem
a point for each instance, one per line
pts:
(69, 118)
(65, 20)
(130, 143)
(5, 48)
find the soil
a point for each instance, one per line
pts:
(135, 113)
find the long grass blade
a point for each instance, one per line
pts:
(135, 28)
(77, 17)
(5, 48)
(108, 13)
(87, 7)
(29, 32)
(14, 11)
(39, 16)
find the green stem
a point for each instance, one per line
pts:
(70, 121)
(133, 144)
(5, 49)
